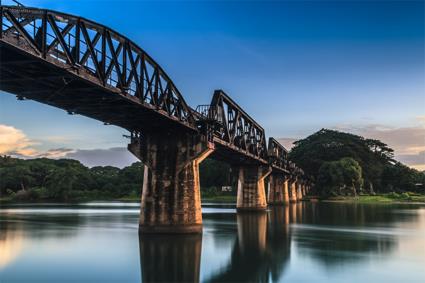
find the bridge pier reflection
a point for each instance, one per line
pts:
(261, 250)
(170, 260)
(251, 188)
(171, 200)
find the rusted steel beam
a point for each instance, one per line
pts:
(60, 39)
(21, 30)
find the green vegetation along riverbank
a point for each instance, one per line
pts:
(381, 198)
(67, 180)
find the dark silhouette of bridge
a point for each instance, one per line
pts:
(89, 69)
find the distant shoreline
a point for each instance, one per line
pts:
(378, 198)
(364, 199)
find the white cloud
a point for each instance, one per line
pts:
(116, 156)
(14, 141)
(288, 143)
(56, 153)
(416, 161)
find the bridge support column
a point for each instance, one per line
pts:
(276, 194)
(171, 200)
(299, 190)
(286, 191)
(293, 190)
(251, 190)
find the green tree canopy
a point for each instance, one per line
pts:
(323, 155)
(338, 177)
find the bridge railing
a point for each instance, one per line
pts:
(94, 52)
(278, 155)
(209, 113)
(233, 126)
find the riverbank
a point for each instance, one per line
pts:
(10, 199)
(379, 198)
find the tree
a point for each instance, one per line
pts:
(335, 177)
(329, 145)
(214, 173)
(61, 183)
(15, 178)
(400, 178)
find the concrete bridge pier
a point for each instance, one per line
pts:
(286, 190)
(251, 194)
(171, 200)
(278, 190)
(293, 190)
(299, 190)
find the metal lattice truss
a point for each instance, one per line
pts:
(93, 52)
(58, 45)
(238, 129)
(278, 155)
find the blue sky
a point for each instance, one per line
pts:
(295, 66)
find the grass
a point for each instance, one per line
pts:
(381, 198)
(5, 199)
(223, 198)
(129, 198)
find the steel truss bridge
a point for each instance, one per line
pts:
(89, 69)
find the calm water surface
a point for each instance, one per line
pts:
(306, 242)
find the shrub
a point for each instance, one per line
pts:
(393, 195)
(406, 196)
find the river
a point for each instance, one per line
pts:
(304, 242)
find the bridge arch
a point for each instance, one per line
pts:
(75, 53)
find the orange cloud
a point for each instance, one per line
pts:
(13, 141)
(408, 142)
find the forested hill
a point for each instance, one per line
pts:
(345, 163)
(68, 180)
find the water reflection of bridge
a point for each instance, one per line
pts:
(262, 249)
